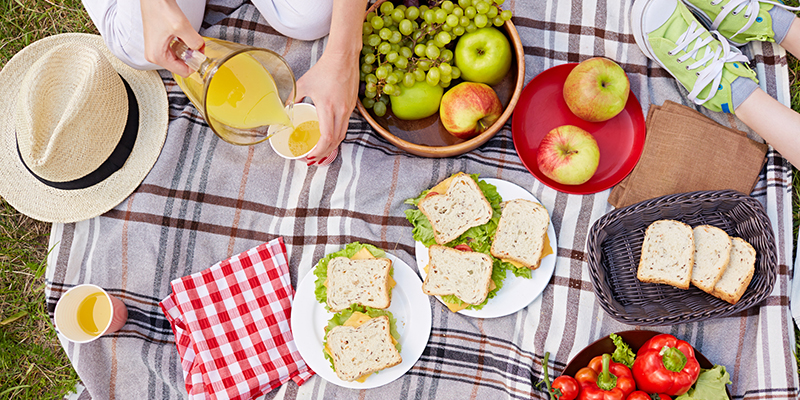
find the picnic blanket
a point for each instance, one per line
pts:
(206, 200)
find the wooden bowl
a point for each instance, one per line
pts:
(427, 137)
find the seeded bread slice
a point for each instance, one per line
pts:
(520, 232)
(712, 251)
(363, 350)
(364, 282)
(465, 274)
(453, 213)
(739, 272)
(667, 254)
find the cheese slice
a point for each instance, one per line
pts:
(454, 307)
(546, 251)
(442, 186)
(357, 319)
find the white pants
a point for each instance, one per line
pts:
(120, 22)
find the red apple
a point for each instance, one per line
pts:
(568, 155)
(469, 108)
(597, 89)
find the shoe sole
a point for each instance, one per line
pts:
(637, 11)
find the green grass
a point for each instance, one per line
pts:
(32, 363)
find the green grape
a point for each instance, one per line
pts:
(367, 49)
(396, 37)
(464, 21)
(443, 37)
(384, 48)
(447, 6)
(370, 95)
(366, 68)
(465, 3)
(445, 78)
(366, 28)
(394, 46)
(371, 78)
(423, 8)
(446, 28)
(499, 2)
(419, 49)
(505, 15)
(370, 15)
(385, 33)
(432, 51)
(387, 7)
(401, 63)
(471, 27)
(361, 76)
(445, 69)
(367, 102)
(379, 108)
(497, 21)
(412, 13)
(482, 7)
(432, 78)
(377, 22)
(374, 40)
(419, 75)
(371, 87)
(446, 55)
(382, 72)
(470, 12)
(409, 80)
(391, 79)
(481, 20)
(388, 21)
(493, 12)
(392, 57)
(440, 16)
(455, 73)
(458, 31)
(405, 27)
(406, 52)
(424, 64)
(452, 21)
(429, 16)
(401, 7)
(388, 88)
(398, 15)
(458, 12)
(444, 84)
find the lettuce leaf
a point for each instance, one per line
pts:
(710, 385)
(321, 270)
(623, 353)
(341, 317)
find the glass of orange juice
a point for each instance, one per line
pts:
(241, 90)
(296, 141)
(86, 312)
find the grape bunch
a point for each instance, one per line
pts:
(406, 44)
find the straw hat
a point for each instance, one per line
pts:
(79, 129)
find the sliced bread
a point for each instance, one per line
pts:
(364, 282)
(520, 232)
(363, 350)
(712, 250)
(739, 272)
(463, 206)
(667, 254)
(465, 274)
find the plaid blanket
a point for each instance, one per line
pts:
(206, 200)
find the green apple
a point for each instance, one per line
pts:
(568, 155)
(597, 89)
(419, 101)
(483, 56)
(469, 108)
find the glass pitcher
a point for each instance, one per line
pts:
(240, 90)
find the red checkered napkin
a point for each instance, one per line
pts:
(231, 325)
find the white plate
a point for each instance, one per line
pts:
(411, 310)
(516, 292)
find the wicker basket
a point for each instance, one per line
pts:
(615, 243)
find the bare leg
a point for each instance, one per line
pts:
(777, 124)
(792, 40)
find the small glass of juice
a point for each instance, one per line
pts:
(296, 141)
(86, 312)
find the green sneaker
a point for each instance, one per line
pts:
(705, 65)
(741, 21)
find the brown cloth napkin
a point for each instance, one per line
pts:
(685, 151)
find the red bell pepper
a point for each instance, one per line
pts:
(665, 365)
(614, 381)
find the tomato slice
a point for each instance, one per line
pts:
(463, 247)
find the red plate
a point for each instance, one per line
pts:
(541, 108)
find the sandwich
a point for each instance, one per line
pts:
(357, 274)
(521, 236)
(361, 340)
(462, 278)
(738, 274)
(712, 252)
(667, 254)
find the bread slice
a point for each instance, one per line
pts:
(520, 232)
(739, 273)
(364, 282)
(363, 350)
(465, 274)
(667, 254)
(712, 251)
(463, 206)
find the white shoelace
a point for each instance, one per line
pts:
(712, 73)
(750, 7)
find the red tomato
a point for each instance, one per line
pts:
(463, 247)
(430, 194)
(586, 374)
(568, 386)
(640, 395)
